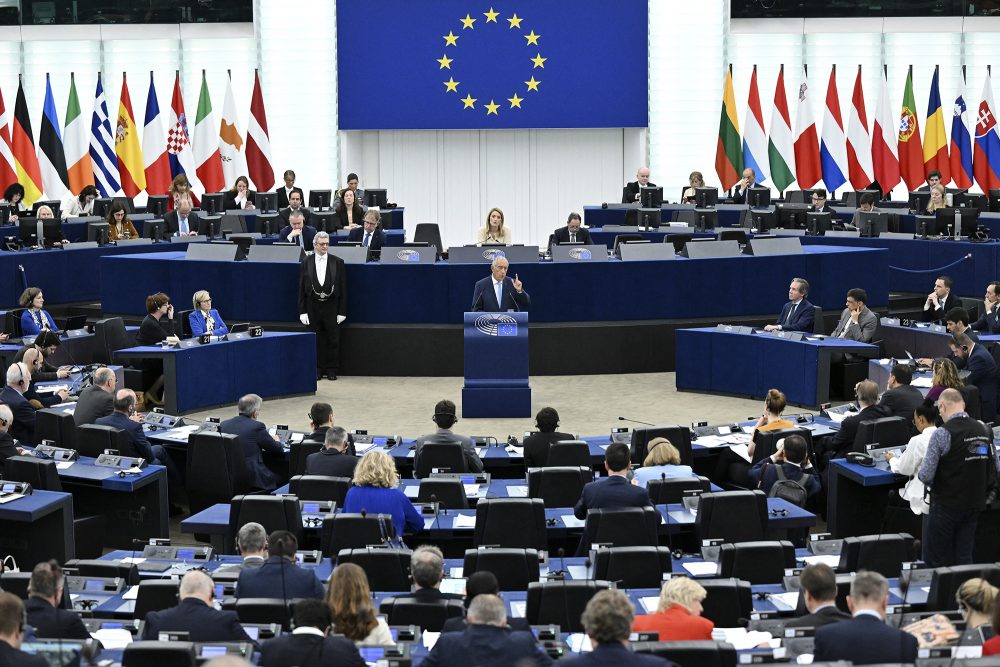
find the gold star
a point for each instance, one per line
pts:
(515, 101)
(467, 22)
(451, 39)
(470, 102)
(491, 108)
(451, 85)
(445, 62)
(514, 21)
(491, 16)
(539, 61)
(532, 38)
(533, 85)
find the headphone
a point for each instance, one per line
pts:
(20, 373)
(861, 459)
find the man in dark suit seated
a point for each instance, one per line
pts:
(12, 634)
(573, 232)
(901, 399)
(47, 343)
(45, 593)
(498, 293)
(297, 231)
(956, 321)
(279, 576)
(7, 446)
(989, 321)
(333, 460)
(975, 358)
(819, 204)
(940, 301)
(486, 641)
(320, 420)
(482, 582)
(615, 490)
(310, 643)
(837, 445)
(251, 544)
(933, 178)
(285, 191)
(445, 417)
(98, 399)
(371, 235)
(798, 314)
(180, 221)
(427, 571)
(866, 639)
(748, 181)
(33, 360)
(607, 619)
(125, 418)
(18, 380)
(819, 590)
(536, 445)
(295, 204)
(255, 440)
(195, 615)
(630, 193)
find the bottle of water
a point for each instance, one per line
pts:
(958, 224)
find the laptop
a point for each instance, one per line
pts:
(878, 453)
(920, 366)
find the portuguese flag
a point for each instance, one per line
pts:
(729, 152)
(911, 152)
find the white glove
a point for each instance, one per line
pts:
(341, 318)
(304, 318)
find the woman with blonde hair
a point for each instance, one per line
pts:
(976, 599)
(945, 377)
(494, 231)
(204, 318)
(678, 614)
(937, 199)
(695, 180)
(663, 460)
(376, 491)
(350, 600)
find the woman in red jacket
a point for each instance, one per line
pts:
(678, 616)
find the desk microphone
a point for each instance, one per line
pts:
(634, 421)
(437, 506)
(561, 572)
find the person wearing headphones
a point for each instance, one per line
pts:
(7, 446)
(205, 319)
(321, 418)
(310, 644)
(732, 467)
(12, 634)
(836, 446)
(47, 343)
(444, 417)
(251, 545)
(537, 445)
(279, 576)
(33, 360)
(45, 594)
(662, 460)
(196, 615)
(254, 440)
(18, 380)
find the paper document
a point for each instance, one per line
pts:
(701, 568)
(465, 521)
(741, 638)
(133, 560)
(518, 608)
(361, 449)
(480, 451)
(411, 454)
(785, 601)
(411, 491)
(924, 382)
(62, 465)
(10, 497)
(132, 593)
(743, 451)
(429, 522)
(650, 604)
(456, 572)
(430, 639)
(838, 417)
(113, 638)
(571, 521)
(516, 491)
(471, 489)
(579, 643)
(831, 560)
(577, 571)
(729, 439)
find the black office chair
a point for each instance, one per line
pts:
(569, 453)
(843, 582)
(429, 232)
(622, 527)
(105, 568)
(757, 562)
(298, 453)
(701, 653)
(511, 522)
(320, 487)
(728, 601)
(678, 240)
(559, 486)
(15, 583)
(12, 323)
(161, 654)
(514, 568)
(216, 469)
(448, 491)
(109, 337)
(884, 553)
(354, 531)
(430, 616)
(265, 610)
(561, 602)
(886, 431)
(766, 442)
(738, 235)
(448, 457)
(55, 425)
(671, 489)
(185, 321)
(271, 512)
(818, 326)
(974, 402)
(93, 439)
(633, 567)
(734, 516)
(155, 595)
(387, 569)
(945, 582)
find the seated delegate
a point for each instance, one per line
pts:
(297, 231)
(240, 197)
(376, 490)
(35, 319)
(45, 213)
(494, 232)
(120, 227)
(205, 319)
(371, 236)
(797, 314)
(695, 180)
(662, 461)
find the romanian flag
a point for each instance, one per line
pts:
(29, 174)
(911, 158)
(935, 140)
(729, 153)
(127, 147)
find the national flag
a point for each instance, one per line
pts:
(258, 152)
(935, 140)
(127, 146)
(885, 160)
(833, 148)
(986, 151)
(29, 174)
(179, 149)
(8, 170)
(206, 143)
(231, 145)
(961, 141)
(154, 146)
(754, 139)
(911, 158)
(807, 165)
(76, 141)
(780, 150)
(102, 146)
(859, 144)
(728, 157)
(51, 156)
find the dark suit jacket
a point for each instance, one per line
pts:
(613, 655)
(201, 622)
(864, 640)
(485, 299)
(377, 241)
(306, 214)
(308, 650)
(837, 445)
(55, 623)
(820, 617)
(254, 439)
(536, 447)
(459, 624)
(901, 402)
(485, 645)
(982, 373)
(171, 222)
(425, 595)
(319, 435)
(229, 201)
(48, 372)
(988, 322)
(764, 474)
(153, 331)
(611, 492)
(741, 197)
(332, 463)
(336, 278)
(136, 436)
(12, 657)
(7, 448)
(358, 213)
(308, 234)
(283, 197)
(802, 320)
(278, 578)
(630, 193)
(23, 428)
(937, 314)
(561, 235)
(93, 404)
(826, 209)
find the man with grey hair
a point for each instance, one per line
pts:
(125, 417)
(195, 615)
(836, 446)
(486, 640)
(18, 380)
(251, 544)
(632, 189)
(97, 400)
(427, 571)
(323, 303)
(254, 440)
(498, 293)
(297, 231)
(33, 360)
(7, 446)
(797, 314)
(865, 639)
(45, 594)
(333, 460)
(607, 619)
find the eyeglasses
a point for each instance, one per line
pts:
(208, 300)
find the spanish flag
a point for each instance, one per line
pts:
(935, 139)
(729, 153)
(25, 160)
(127, 147)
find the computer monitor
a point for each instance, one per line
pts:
(266, 202)
(233, 224)
(792, 216)
(320, 199)
(873, 223)
(157, 205)
(269, 224)
(243, 244)
(918, 200)
(853, 199)
(762, 221)
(643, 217)
(946, 220)
(376, 197)
(98, 231)
(758, 197)
(28, 231)
(929, 225)
(154, 229)
(209, 225)
(213, 202)
(739, 235)
(706, 197)
(971, 200)
(650, 197)
(53, 204)
(818, 224)
(706, 218)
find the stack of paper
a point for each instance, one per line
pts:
(701, 568)
(831, 560)
(465, 521)
(517, 491)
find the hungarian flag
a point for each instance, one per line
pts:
(728, 156)
(754, 139)
(154, 146)
(911, 156)
(807, 165)
(885, 160)
(986, 150)
(780, 150)
(8, 169)
(258, 143)
(859, 145)
(29, 174)
(76, 141)
(127, 146)
(51, 156)
(206, 143)
(935, 140)
(833, 147)
(961, 141)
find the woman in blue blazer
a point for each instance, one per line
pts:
(205, 319)
(376, 491)
(35, 319)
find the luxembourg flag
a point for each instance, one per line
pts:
(754, 139)
(961, 141)
(833, 147)
(859, 143)
(986, 152)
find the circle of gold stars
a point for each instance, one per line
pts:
(469, 23)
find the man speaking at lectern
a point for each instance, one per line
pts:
(498, 293)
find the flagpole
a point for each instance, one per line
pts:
(781, 69)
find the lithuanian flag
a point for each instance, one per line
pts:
(729, 152)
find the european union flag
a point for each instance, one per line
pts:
(507, 329)
(460, 64)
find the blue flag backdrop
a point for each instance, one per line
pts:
(461, 64)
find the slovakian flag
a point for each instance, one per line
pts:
(859, 143)
(8, 170)
(911, 155)
(961, 141)
(76, 141)
(179, 149)
(29, 174)
(885, 160)
(754, 139)
(935, 140)
(206, 143)
(986, 150)
(728, 155)
(127, 146)
(258, 142)
(102, 146)
(807, 165)
(833, 148)
(154, 146)
(780, 149)
(51, 156)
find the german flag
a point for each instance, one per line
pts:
(25, 160)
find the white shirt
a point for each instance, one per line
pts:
(240, 201)
(908, 463)
(867, 612)
(320, 268)
(308, 631)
